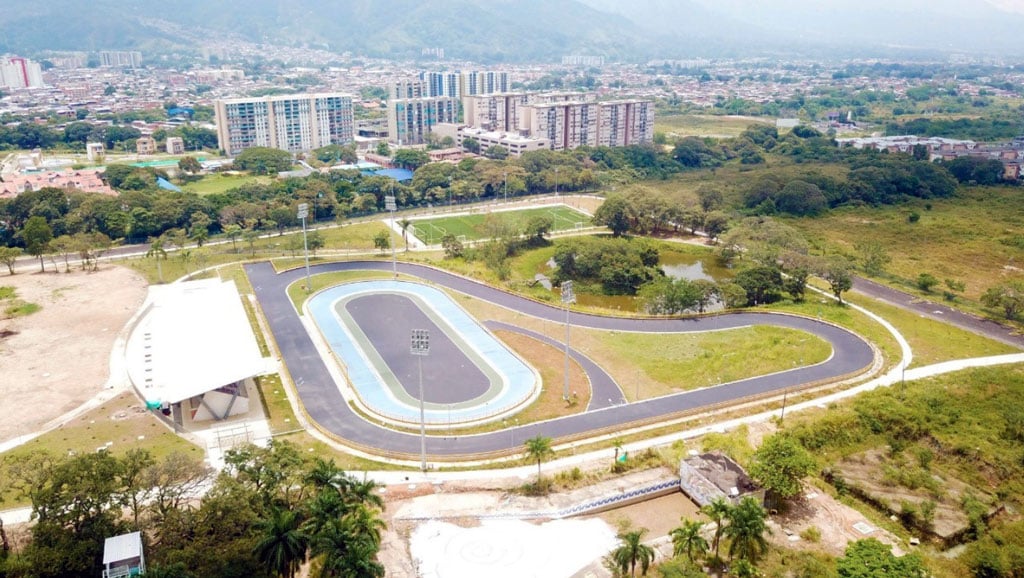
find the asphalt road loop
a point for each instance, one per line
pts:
(387, 320)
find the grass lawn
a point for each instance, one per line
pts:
(932, 341)
(651, 365)
(474, 226)
(123, 422)
(221, 183)
(680, 125)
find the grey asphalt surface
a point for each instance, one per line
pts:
(940, 312)
(448, 375)
(605, 392)
(325, 405)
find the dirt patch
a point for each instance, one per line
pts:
(57, 358)
(837, 524)
(895, 482)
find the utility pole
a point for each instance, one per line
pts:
(303, 213)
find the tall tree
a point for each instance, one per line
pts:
(538, 448)
(746, 530)
(780, 464)
(614, 214)
(9, 256)
(404, 224)
(233, 232)
(157, 251)
(37, 234)
(836, 272)
(632, 552)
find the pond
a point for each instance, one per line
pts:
(691, 264)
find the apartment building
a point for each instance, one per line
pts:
(625, 122)
(483, 82)
(120, 59)
(441, 83)
(500, 112)
(145, 145)
(175, 145)
(18, 72)
(451, 84)
(410, 119)
(294, 122)
(565, 125)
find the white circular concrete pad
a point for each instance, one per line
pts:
(509, 548)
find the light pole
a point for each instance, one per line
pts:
(389, 204)
(785, 394)
(420, 347)
(303, 213)
(568, 297)
(449, 193)
(506, 187)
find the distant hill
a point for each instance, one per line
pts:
(525, 30)
(486, 30)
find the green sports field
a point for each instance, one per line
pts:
(474, 226)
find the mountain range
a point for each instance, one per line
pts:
(527, 30)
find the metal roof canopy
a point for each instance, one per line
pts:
(193, 337)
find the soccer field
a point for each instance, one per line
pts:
(471, 227)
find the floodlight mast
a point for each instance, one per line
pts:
(568, 296)
(389, 204)
(303, 213)
(420, 347)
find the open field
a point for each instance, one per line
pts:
(474, 226)
(727, 126)
(976, 237)
(221, 183)
(932, 341)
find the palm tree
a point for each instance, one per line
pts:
(538, 448)
(404, 224)
(343, 551)
(718, 510)
(747, 527)
(688, 540)
(364, 493)
(364, 523)
(325, 474)
(633, 551)
(322, 509)
(156, 249)
(282, 545)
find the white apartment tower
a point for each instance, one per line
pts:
(410, 119)
(18, 72)
(294, 122)
(451, 84)
(495, 112)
